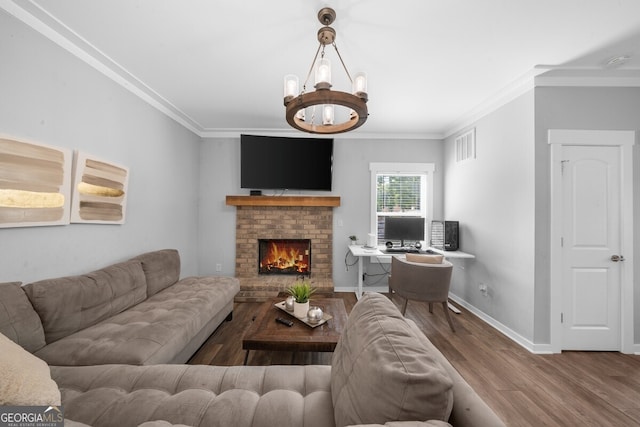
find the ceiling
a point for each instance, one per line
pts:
(217, 66)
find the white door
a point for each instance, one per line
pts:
(591, 242)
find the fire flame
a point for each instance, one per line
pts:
(285, 258)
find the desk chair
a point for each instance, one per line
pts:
(422, 281)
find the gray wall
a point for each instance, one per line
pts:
(48, 96)
(220, 176)
(578, 108)
(493, 198)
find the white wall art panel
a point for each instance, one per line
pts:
(99, 191)
(35, 184)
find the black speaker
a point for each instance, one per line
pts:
(445, 235)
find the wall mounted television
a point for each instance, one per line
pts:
(286, 163)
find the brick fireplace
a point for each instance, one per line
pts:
(281, 218)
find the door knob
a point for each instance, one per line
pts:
(616, 258)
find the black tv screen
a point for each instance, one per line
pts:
(281, 163)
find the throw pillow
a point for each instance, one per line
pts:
(382, 370)
(18, 320)
(25, 380)
(424, 258)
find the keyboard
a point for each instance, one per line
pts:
(402, 250)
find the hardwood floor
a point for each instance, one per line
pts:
(524, 389)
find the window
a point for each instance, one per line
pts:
(400, 189)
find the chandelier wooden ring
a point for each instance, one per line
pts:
(320, 97)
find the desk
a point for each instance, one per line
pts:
(362, 252)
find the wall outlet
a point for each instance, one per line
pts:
(482, 288)
(218, 267)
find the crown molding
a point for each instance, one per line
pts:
(546, 76)
(588, 81)
(357, 134)
(515, 89)
(38, 19)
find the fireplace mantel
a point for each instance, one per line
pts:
(326, 201)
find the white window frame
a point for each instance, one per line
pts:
(399, 169)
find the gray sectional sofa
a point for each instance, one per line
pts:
(137, 312)
(384, 371)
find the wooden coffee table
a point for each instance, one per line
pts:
(267, 334)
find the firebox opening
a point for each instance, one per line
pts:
(284, 256)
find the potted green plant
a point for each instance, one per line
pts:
(354, 239)
(301, 291)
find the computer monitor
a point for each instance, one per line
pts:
(403, 228)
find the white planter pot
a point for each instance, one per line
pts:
(300, 309)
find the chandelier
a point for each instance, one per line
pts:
(323, 97)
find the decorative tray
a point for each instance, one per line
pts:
(305, 320)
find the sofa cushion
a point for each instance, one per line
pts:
(382, 371)
(69, 304)
(71, 423)
(18, 321)
(153, 331)
(160, 424)
(162, 269)
(197, 395)
(24, 379)
(425, 258)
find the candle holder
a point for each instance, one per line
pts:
(315, 314)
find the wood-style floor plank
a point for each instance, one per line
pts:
(524, 389)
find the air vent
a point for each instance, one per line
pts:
(466, 146)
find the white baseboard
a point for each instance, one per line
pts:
(509, 333)
(514, 336)
(381, 289)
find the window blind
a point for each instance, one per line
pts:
(399, 193)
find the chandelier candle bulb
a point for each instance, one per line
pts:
(327, 114)
(360, 85)
(290, 86)
(323, 74)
